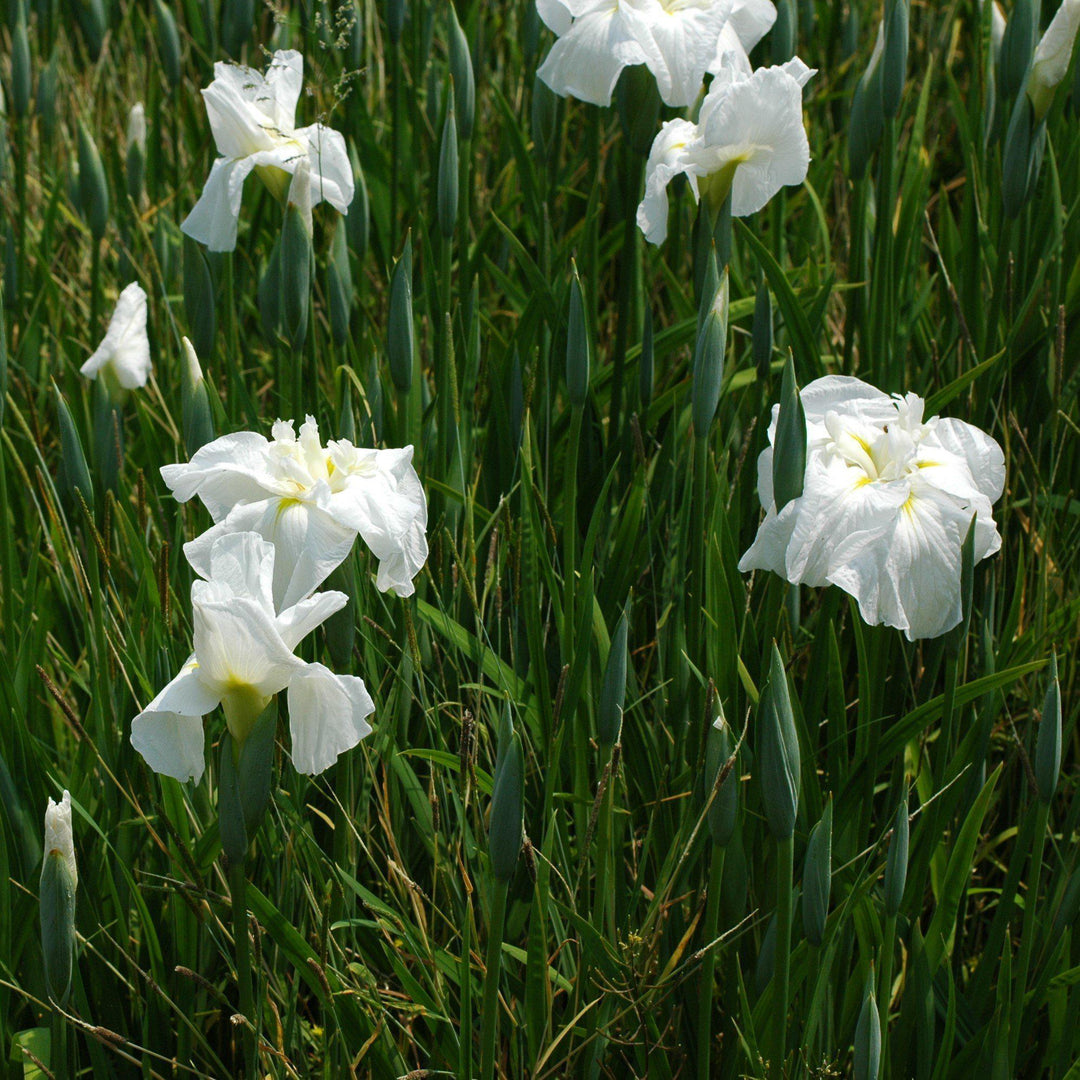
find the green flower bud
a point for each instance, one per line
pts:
(90, 15)
(395, 19)
(108, 397)
(237, 20)
(356, 221)
(199, 296)
(1048, 743)
(22, 79)
(448, 170)
(505, 830)
(93, 189)
(198, 417)
(896, 864)
(577, 345)
(789, 444)
(296, 258)
(169, 43)
(1017, 167)
(894, 62)
(461, 70)
(817, 878)
(136, 152)
(722, 814)
(785, 31)
(778, 752)
(74, 475)
(613, 692)
(849, 34)
(46, 98)
(867, 116)
(709, 360)
(401, 342)
(269, 292)
(59, 880)
(638, 100)
(868, 1035)
(1017, 46)
(340, 287)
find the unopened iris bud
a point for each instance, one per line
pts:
(789, 447)
(448, 170)
(74, 474)
(198, 418)
(507, 802)
(168, 43)
(896, 864)
(1048, 744)
(709, 359)
(59, 880)
(93, 188)
(199, 298)
(400, 344)
(296, 257)
(395, 19)
(357, 218)
(785, 31)
(136, 152)
(46, 98)
(577, 345)
(639, 107)
(1017, 43)
(722, 814)
(894, 62)
(1050, 64)
(867, 116)
(22, 80)
(868, 1035)
(613, 692)
(341, 289)
(817, 878)
(461, 70)
(778, 752)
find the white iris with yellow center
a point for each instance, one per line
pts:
(886, 503)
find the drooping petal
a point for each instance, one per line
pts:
(233, 468)
(214, 219)
(667, 158)
(126, 347)
(244, 563)
(384, 502)
(327, 716)
(586, 61)
(982, 455)
(769, 549)
(556, 15)
(169, 731)
(331, 171)
(240, 108)
(296, 622)
(752, 20)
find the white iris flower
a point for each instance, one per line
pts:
(310, 501)
(244, 655)
(58, 835)
(679, 40)
(749, 140)
(123, 358)
(887, 501)
(252, 117)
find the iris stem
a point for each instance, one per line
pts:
(238, 893)
(785, 872)
(708, 962)
(489, 1023)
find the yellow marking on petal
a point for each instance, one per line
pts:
(909, 505)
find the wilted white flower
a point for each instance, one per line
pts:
(886, 503)
(124, 355)
(244, 655)
(58, 834)
(749, 140)
(679, 40)
(1050, 64)
(252, 117)
(310, 501)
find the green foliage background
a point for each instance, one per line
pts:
(633, 943)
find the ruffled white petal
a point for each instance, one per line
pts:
(214, 219)
(556, 15)
(327, 716)
(169, 731)
(331, 171)
(296, 622)
(58, 834)
(284, 80)
(667, 158)
(230, 469)
(752, 20)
